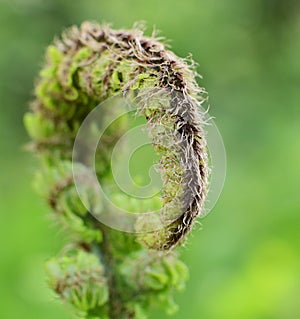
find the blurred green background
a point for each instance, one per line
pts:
(245, 263)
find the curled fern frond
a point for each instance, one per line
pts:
(85, 67)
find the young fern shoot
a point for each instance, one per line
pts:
(106, 273)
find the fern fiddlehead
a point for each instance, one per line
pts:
(107, 273)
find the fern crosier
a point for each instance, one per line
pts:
(85, 67)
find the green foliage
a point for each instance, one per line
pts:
(152, 276)
(79, 280)
(55, 183)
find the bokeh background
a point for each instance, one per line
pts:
(245, 263)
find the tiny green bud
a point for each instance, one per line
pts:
(79, 280)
